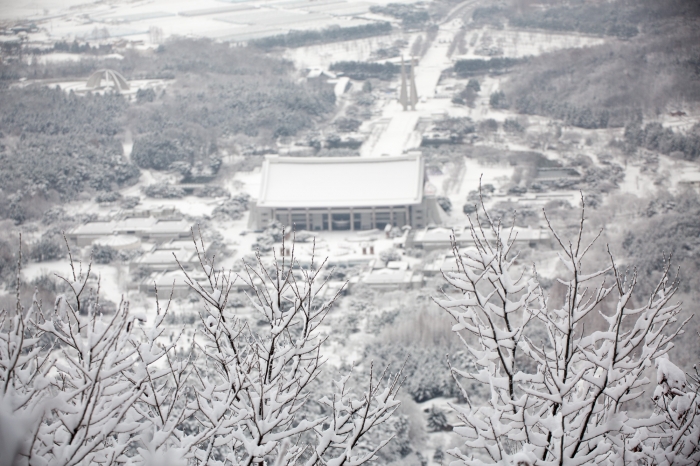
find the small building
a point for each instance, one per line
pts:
(84, 235)
(175, 282)
(169, 282)
(168, 230)
(138, 226)
(147, 229)
(395, 276)
(431, 239)
(344, 193)
(442, 264)
(548, 175)
(321, 79)
(158, 212)
(120, 242)
(163, 260)
(690, 179)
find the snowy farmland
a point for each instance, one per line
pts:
(151, 22)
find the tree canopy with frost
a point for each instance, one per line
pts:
(82, 387)
(560, 374)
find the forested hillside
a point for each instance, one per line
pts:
(55, 146)
(620, 81)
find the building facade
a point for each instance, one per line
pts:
(343, 193)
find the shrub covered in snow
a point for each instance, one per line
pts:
(48, 248)
(163, 191)
(56, 215)
(103, 254)
(212, 190)
(109, 196)
(234, 207)
(437, 420)
(390, 255)
(129, 202)
(426, 371)
(445, 203)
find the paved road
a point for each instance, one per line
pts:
(395, 132)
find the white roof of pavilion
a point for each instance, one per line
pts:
(316, 182)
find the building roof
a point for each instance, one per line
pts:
(95, 228)
(119, 241)
(318, 73)
(297, 182)
(170, 226)
(135, 224)
(689, 177)
(441, 236)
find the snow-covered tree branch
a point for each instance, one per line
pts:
(560, 373)
(260, 380)
(86, 387)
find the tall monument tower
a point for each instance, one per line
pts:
(408, 98)
(403, 98)
(414, 91)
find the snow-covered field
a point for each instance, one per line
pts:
(152, 21)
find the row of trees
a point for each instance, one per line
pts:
(332, 34)
(411, 16)
(581, 116)
(365, 70)
(477, 66)
(77, 47)
(653, 136)
(613, 19)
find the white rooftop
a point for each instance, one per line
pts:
(297, 182)
(170, 226)
(95, 228)
(690, 177)
(442, 235)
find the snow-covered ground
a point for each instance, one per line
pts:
(321, 56)
(516, 43)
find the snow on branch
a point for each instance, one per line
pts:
(558, 389)
(85, 387)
